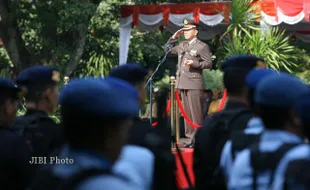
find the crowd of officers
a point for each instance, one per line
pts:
(100, 143)
(258, 141)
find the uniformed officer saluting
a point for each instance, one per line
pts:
(193, 57)
(41, 132)
(14, 157)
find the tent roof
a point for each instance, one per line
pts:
(274, 12)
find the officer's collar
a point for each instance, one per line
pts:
(192, 40)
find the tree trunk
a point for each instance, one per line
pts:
(12, 40)
(78, 49)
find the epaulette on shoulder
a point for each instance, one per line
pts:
(201, 42)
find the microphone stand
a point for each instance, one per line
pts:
(150, 80)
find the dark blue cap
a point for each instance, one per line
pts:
(256, 75)
(108, 98)
(242, 62)
(302, 106)
(37, 75)
(130, 72)
(10, 88)
(280, 90)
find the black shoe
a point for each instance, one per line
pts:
(187, 145)
(192, 145)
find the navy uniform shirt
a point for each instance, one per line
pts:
(270, 92)
(298, 157)
(204, 164)
(51, 133)
(104, 97)
(14, 155)
(142, 134)
(16, 172)
(255, 125)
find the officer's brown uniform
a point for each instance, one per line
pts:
(189, 80)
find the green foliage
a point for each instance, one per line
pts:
(271, 45)
(49, 32)
(213, 79)
(163, 83)
(146, 49)
(101, 52)
(244, 36)
(242, 18)
(167, 1)
(50, 29)
(5, 63)
(303, 63)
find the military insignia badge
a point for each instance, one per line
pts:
(185, 21)
(66, 79)
(260, 64)
(56, 76)
(193, 52)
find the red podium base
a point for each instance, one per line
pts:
(187, 155)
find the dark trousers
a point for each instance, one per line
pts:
(192, 101)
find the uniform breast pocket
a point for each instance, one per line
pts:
(195, 76)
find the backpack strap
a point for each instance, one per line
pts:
(238, 113)
(226, 118)
(241, 141)
(294, 176)
(261, 161)
(220, 134)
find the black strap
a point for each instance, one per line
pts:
(228, 117)
(261, 161)
(238, 114)
(241, 141)
(220, 122)
(297, 173)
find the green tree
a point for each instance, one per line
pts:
(245, 36)
(81, 37)
(303, 60)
